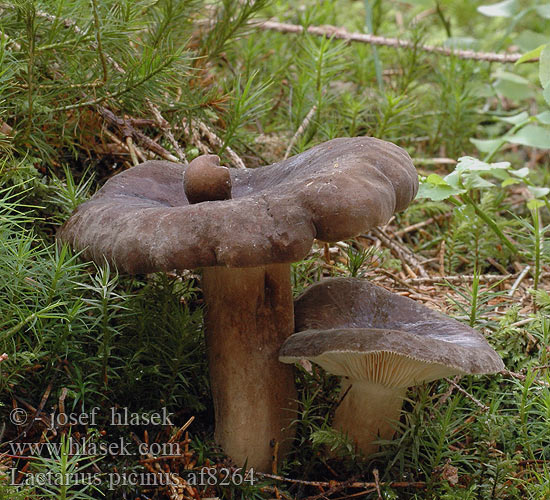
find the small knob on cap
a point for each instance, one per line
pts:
(205, 179)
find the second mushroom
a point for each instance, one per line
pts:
(381, 343)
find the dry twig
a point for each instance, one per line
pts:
(355, 484)
(164, 125)
(518, 281)
(342, 34)
(301, 129)
(128, 130)
(403, 253)
(478, 403)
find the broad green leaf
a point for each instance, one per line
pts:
(546, 94)
(538, 192)
(508, 8)
(521, 173)
(436, 193)
(532, 54)
(529, 40)
(436, 180)
(453, 179)
(511, 77)
(515, 119)
(543, 11)
(544, 67)
(543, 117)
(510, 181)
(466, 175)
(501, 174)
(534, 136)
(436, 188)
(534, 204)
(512, 86)
(485, 145)
(470, 164)
(474, 181)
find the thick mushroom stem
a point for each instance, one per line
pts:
(368, 412)
(249, 314)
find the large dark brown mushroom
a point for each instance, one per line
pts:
(381, 343)
(142, 221)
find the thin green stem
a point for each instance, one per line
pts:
(99, 100)
(30, 24)
(98, 40)
(377, 64)
(490, 222)
(535, 213)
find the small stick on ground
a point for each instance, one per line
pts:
(488, 278)
(478, 403)
(377, 483)
(518, 281)
(129, 131)
(420, 225)
(123, 146)
(131, 149)
(301, 129)
(203, 129)
(355, 484)
(441, 258)
(164, 125)
(216, 141)
(402, 252)
(522, 377)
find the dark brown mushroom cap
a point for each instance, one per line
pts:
(141, 220)
(351, 317)
(206, 180)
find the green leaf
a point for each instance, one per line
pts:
(436, 180)
(465, 176)
(543, 117)
(508, 8)
(511, 77)
(436, 189)
(512, 86)
(485, 145)
(544, 67)
(538, 192)
(510, 181)
(532, 54)
(521, 173)
(543, 11)
(515, 119)
(534, 136)
(529, 40)
(534, 204)
(546, 94)
(470, 164)
(474, 181)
